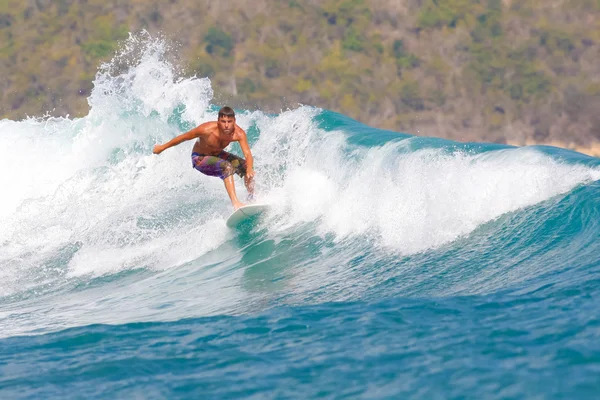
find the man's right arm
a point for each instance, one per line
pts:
(198, 131)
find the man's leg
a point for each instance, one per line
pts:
(230, 187)
(238, 165)
(249, 182)
(219, 167)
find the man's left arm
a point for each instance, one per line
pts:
(247, 154)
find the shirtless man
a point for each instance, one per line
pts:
(209, 157)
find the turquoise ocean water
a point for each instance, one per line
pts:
(390, 265)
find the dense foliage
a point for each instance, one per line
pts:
(495, 70)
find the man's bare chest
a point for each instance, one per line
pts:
(216, 142)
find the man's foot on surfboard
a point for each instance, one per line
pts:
(238, 205)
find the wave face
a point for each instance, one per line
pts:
(389, 266)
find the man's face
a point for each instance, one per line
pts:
(226, 125)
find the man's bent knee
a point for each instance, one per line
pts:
(228, 169)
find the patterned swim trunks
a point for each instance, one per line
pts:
(222, 165)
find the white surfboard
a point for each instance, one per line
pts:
(244, 213)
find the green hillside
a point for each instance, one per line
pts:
(493, 70)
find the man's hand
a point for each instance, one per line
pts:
(158, 149)
(250, 174)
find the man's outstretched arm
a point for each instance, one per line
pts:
(189, 135)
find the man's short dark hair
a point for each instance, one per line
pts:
(226, 112)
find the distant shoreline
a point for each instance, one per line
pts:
(592, 149)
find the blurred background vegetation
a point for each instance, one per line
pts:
(505, 71)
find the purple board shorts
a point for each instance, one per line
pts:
(222, 165)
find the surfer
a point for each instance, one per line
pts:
(209, 156)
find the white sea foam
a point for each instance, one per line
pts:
(90, 180)
(412, 201)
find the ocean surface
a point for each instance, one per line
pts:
(389, 266)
